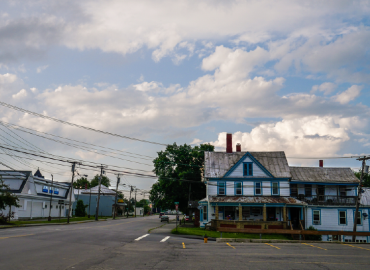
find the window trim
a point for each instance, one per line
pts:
(218, 189)
(248, 173)
(313, 210)
(272, 188)
(345, 211)
(241, 188)
(260, 182)
(359, 210)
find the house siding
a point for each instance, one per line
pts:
(238, 171)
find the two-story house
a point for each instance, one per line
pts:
(260, 190)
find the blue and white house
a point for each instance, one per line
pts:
(260, 190)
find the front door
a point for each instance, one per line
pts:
(295, 214)
(271, 214)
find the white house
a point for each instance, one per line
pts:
(34, 193)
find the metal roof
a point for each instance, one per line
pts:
(95, 190)
(217, 164)
(323, 174)
(254, 199)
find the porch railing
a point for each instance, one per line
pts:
(327, 199)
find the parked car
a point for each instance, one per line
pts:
(186, 218)
(161, 214)
(165, 218)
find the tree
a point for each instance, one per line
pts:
(80, 209)
(365, 178)
(177, 163)
(104, 181)
(143, 203)
(81, 183)
(313, 237)
(6, 199)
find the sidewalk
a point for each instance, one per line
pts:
(164, 228)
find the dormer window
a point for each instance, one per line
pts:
(248, 169)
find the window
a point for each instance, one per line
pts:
(46, 206)
(258, 188)
(205, 213)
(248, 169)
(342, 217)
(342, 191)
(359, 217)
(293, 190)
(45, 189)
(316, 217)
(308, 190)
(56, 206)
(221, 188)
(238, 188)
(275, 188)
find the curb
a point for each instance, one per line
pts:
(47, 224)
(244, 240)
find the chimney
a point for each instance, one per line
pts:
(321, 163)
(238, 147)
(229, 143)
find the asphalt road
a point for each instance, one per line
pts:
(126, 244)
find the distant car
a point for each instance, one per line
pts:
(161, 214)
(186, 218)
(165, 218)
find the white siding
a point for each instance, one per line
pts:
(212, 188)
(230, 188)
(266, 188)
(331, 190)
(257, 171)
(248, 188)
(284, 188)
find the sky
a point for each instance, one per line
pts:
(287, 76)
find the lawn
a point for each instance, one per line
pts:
(214, 234)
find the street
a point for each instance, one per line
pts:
(126, 244)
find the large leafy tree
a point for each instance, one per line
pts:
(174, 166)
(104, 181)
(81, 183)
(6, 199)
(365, 178)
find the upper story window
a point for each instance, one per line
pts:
(221, 188)
(248, 169)
(293, 190)
(342, 191)
(308, 190)
(258, 188)
(275, 188)
(238, 188)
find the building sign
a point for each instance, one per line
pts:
(51, 190)
(120, 200)
(45, 189)
(56, 191)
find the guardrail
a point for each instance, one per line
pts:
(327, 199)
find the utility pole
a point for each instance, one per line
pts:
(51, 197)
(97, 204)
(115, 202)
(135, 201)
(70, 194)
(359, 191)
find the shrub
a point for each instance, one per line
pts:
(80, 209)
(313, 237)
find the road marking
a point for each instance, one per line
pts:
(230, 245)
(272, 245)
(313, 246)
(165, 239)
(183, 245)
(310, 262)
(15, 236)
(355, 246)
(141, 237)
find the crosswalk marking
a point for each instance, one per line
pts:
(141, 237)
(165, 239)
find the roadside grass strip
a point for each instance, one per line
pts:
(313, 246)
(272, 246)
(355, 246)
(230, 245)
(165, 239)
(141, 237)
(183, 245)
(5, 237)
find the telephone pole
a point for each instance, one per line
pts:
(97, 204)
(51, 197)
(359, 192)
(115, 202)
(135, 201)
(70, 194)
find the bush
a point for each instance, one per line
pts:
(80, 209)
(313, 237)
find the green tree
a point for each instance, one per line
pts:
(176, 163)
(81, 183)
(143, 203)
(80, 209)
(313, 237)
(6, 199)
(365, 178)
(104, 181)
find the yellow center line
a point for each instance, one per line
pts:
(355, 246)
(15, 236)
(313, 246)
(311, 262)
(230, 245)
(271, 245)
(183, 245)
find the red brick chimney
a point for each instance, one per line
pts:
(229, 143)
(321, 163)
(238, 147)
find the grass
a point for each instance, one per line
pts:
(214, 234)
(62, 220)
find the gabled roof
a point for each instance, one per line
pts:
(217, 164)
(322, 174)
(38, 174)
(95, 190)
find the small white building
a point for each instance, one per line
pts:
(34, 193)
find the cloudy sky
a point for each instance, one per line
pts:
(279, 75)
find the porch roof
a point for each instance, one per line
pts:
(254, 199)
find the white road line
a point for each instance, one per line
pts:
(141, 237)
(165, 239)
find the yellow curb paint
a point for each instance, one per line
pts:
(313, 246)
(272, 245)
(15, 236)
(183, 245)
(230, 245)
